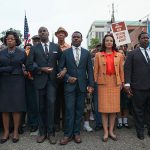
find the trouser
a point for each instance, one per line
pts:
(141, 109)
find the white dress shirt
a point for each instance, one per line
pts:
(43, 45)
(74, 52)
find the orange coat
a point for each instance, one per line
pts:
(100, 68)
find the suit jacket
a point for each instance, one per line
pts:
(100, 68)
(12, 63)
(83, 72)
(37, 59)
(137, 70)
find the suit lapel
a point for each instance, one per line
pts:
(42, 51)
(81, 56)
(72, 57)
(142, 56)
(51, 48)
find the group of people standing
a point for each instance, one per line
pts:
(61, 75)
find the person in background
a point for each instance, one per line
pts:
(12, 80)
(35, 40)
(109, 75)
(122, 117)
(97, 114)
(32, 113)
(87, 111)
(61, 34)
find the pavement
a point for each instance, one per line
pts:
(127, 140)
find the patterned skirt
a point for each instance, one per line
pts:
(109, 96)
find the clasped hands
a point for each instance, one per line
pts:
(47, 69)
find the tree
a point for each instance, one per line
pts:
(3, 33)
(93, 43)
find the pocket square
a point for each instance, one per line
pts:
(55, 52)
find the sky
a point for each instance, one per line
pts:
(73, 15)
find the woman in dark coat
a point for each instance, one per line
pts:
(12, 84)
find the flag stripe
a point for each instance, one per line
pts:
(26, 32)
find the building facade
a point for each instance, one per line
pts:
(100, 28)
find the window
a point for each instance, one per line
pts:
(100, 35)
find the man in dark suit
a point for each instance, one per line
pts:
(78, 79)
(137, 79)
(42, 61)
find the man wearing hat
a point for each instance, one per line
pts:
(61, 34)
(35, 40)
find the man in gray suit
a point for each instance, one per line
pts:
(77, 80)
(42, 61)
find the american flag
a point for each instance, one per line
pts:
(26, 32)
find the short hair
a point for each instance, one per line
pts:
(17, 39)
(141, 35)
(78, 32)
(114, 47)
(35, 37)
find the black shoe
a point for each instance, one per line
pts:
(33, 128)
(4, 140)
(97, 128)
(126, 125)
(119, 125)
(14, 140)
(140, 136)
(114, 138)
(105, 139)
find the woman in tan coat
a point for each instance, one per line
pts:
(109, 75)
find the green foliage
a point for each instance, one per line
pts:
(3, 33)
(93, 43)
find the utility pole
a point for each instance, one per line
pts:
(112, 20)
(113, 14)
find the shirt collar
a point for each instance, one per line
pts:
(73, 47)
(43, 44)
(141, 48)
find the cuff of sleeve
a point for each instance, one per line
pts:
(127, 84)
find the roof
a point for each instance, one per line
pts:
(132, 23)
(104, 23)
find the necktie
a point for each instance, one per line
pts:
(147, 56)
(77, 56)
(46, 50)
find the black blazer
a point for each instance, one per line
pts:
(137, 70)
(83, 72)
(12, 63)
(37, 59)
